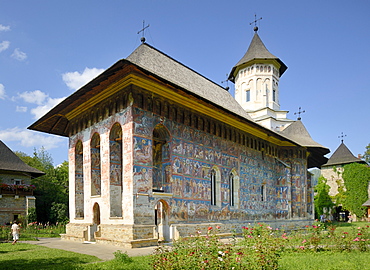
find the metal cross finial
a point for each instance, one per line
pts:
(142, 30)
(342, 136)
(299, 113)
(227, 82)
(255, 22)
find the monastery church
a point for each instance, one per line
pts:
(158, 151)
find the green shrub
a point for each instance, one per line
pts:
(122, 257)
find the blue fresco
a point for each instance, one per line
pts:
(268, 189)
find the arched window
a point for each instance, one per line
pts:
(215, 187)
(231, 190)
(161, 158)
(263, 193)
(115, 183)
(79, 181)
(95, 165)
(234, 186)
(247, 95)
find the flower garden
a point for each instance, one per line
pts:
(32, 231)
(16, 189)
(319, 246)
(259, 247)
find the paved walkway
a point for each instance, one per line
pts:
(104, 252)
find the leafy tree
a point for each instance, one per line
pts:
(32, 216)
(51, 187)
(366, 155)
(322, 198)
(59, 213)
(356, 179)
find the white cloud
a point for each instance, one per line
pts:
(4, 45)
(19, 55)
(21, 109)
(2, 91)
(75, 80)
(36, 97)
(44, 102)
(43, 109)
(29, 138)
(4, 28)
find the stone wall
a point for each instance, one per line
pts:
(11, 205)
(10, 178)
(333, 178)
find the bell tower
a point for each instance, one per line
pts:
(256, 77)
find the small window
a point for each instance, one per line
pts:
(274, 95)
(263, 193)
(231, 191)
(17, 182)
(248, 95)
(213, 187)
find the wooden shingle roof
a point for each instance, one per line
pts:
(166, 67)
(367, 203)
(298, 133)
(12, 163)
(257, 51)
(156, 64)
(342, 156)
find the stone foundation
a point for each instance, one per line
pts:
(128, 236)
(229, 229)
(134, 236)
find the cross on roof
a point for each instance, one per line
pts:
(226, 81)
(142, 30)
(255, 22)
(342, 136)
(299, 113)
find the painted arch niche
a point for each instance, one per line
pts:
(161, 215)
(115, 183)
(79, 181)
(161, 159)
(95, 165)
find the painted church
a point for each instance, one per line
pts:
(158, 151)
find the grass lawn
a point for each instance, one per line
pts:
(138, 263)
(26, 256)
(325, 261)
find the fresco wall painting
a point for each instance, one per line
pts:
(265, 182)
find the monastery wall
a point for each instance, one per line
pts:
(271, 182)
(187, 189)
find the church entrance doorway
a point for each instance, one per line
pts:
(96, 221)
(161, 221)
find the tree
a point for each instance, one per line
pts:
(366, 155)
(322, 198)
(59, 213)
(31, 217)
(51, 187)
(356, 179)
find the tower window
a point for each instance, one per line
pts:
(274, 95)
(248, 95)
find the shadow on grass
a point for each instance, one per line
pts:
(9, 251)
(43, 263)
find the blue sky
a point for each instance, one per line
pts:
(50, 48)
